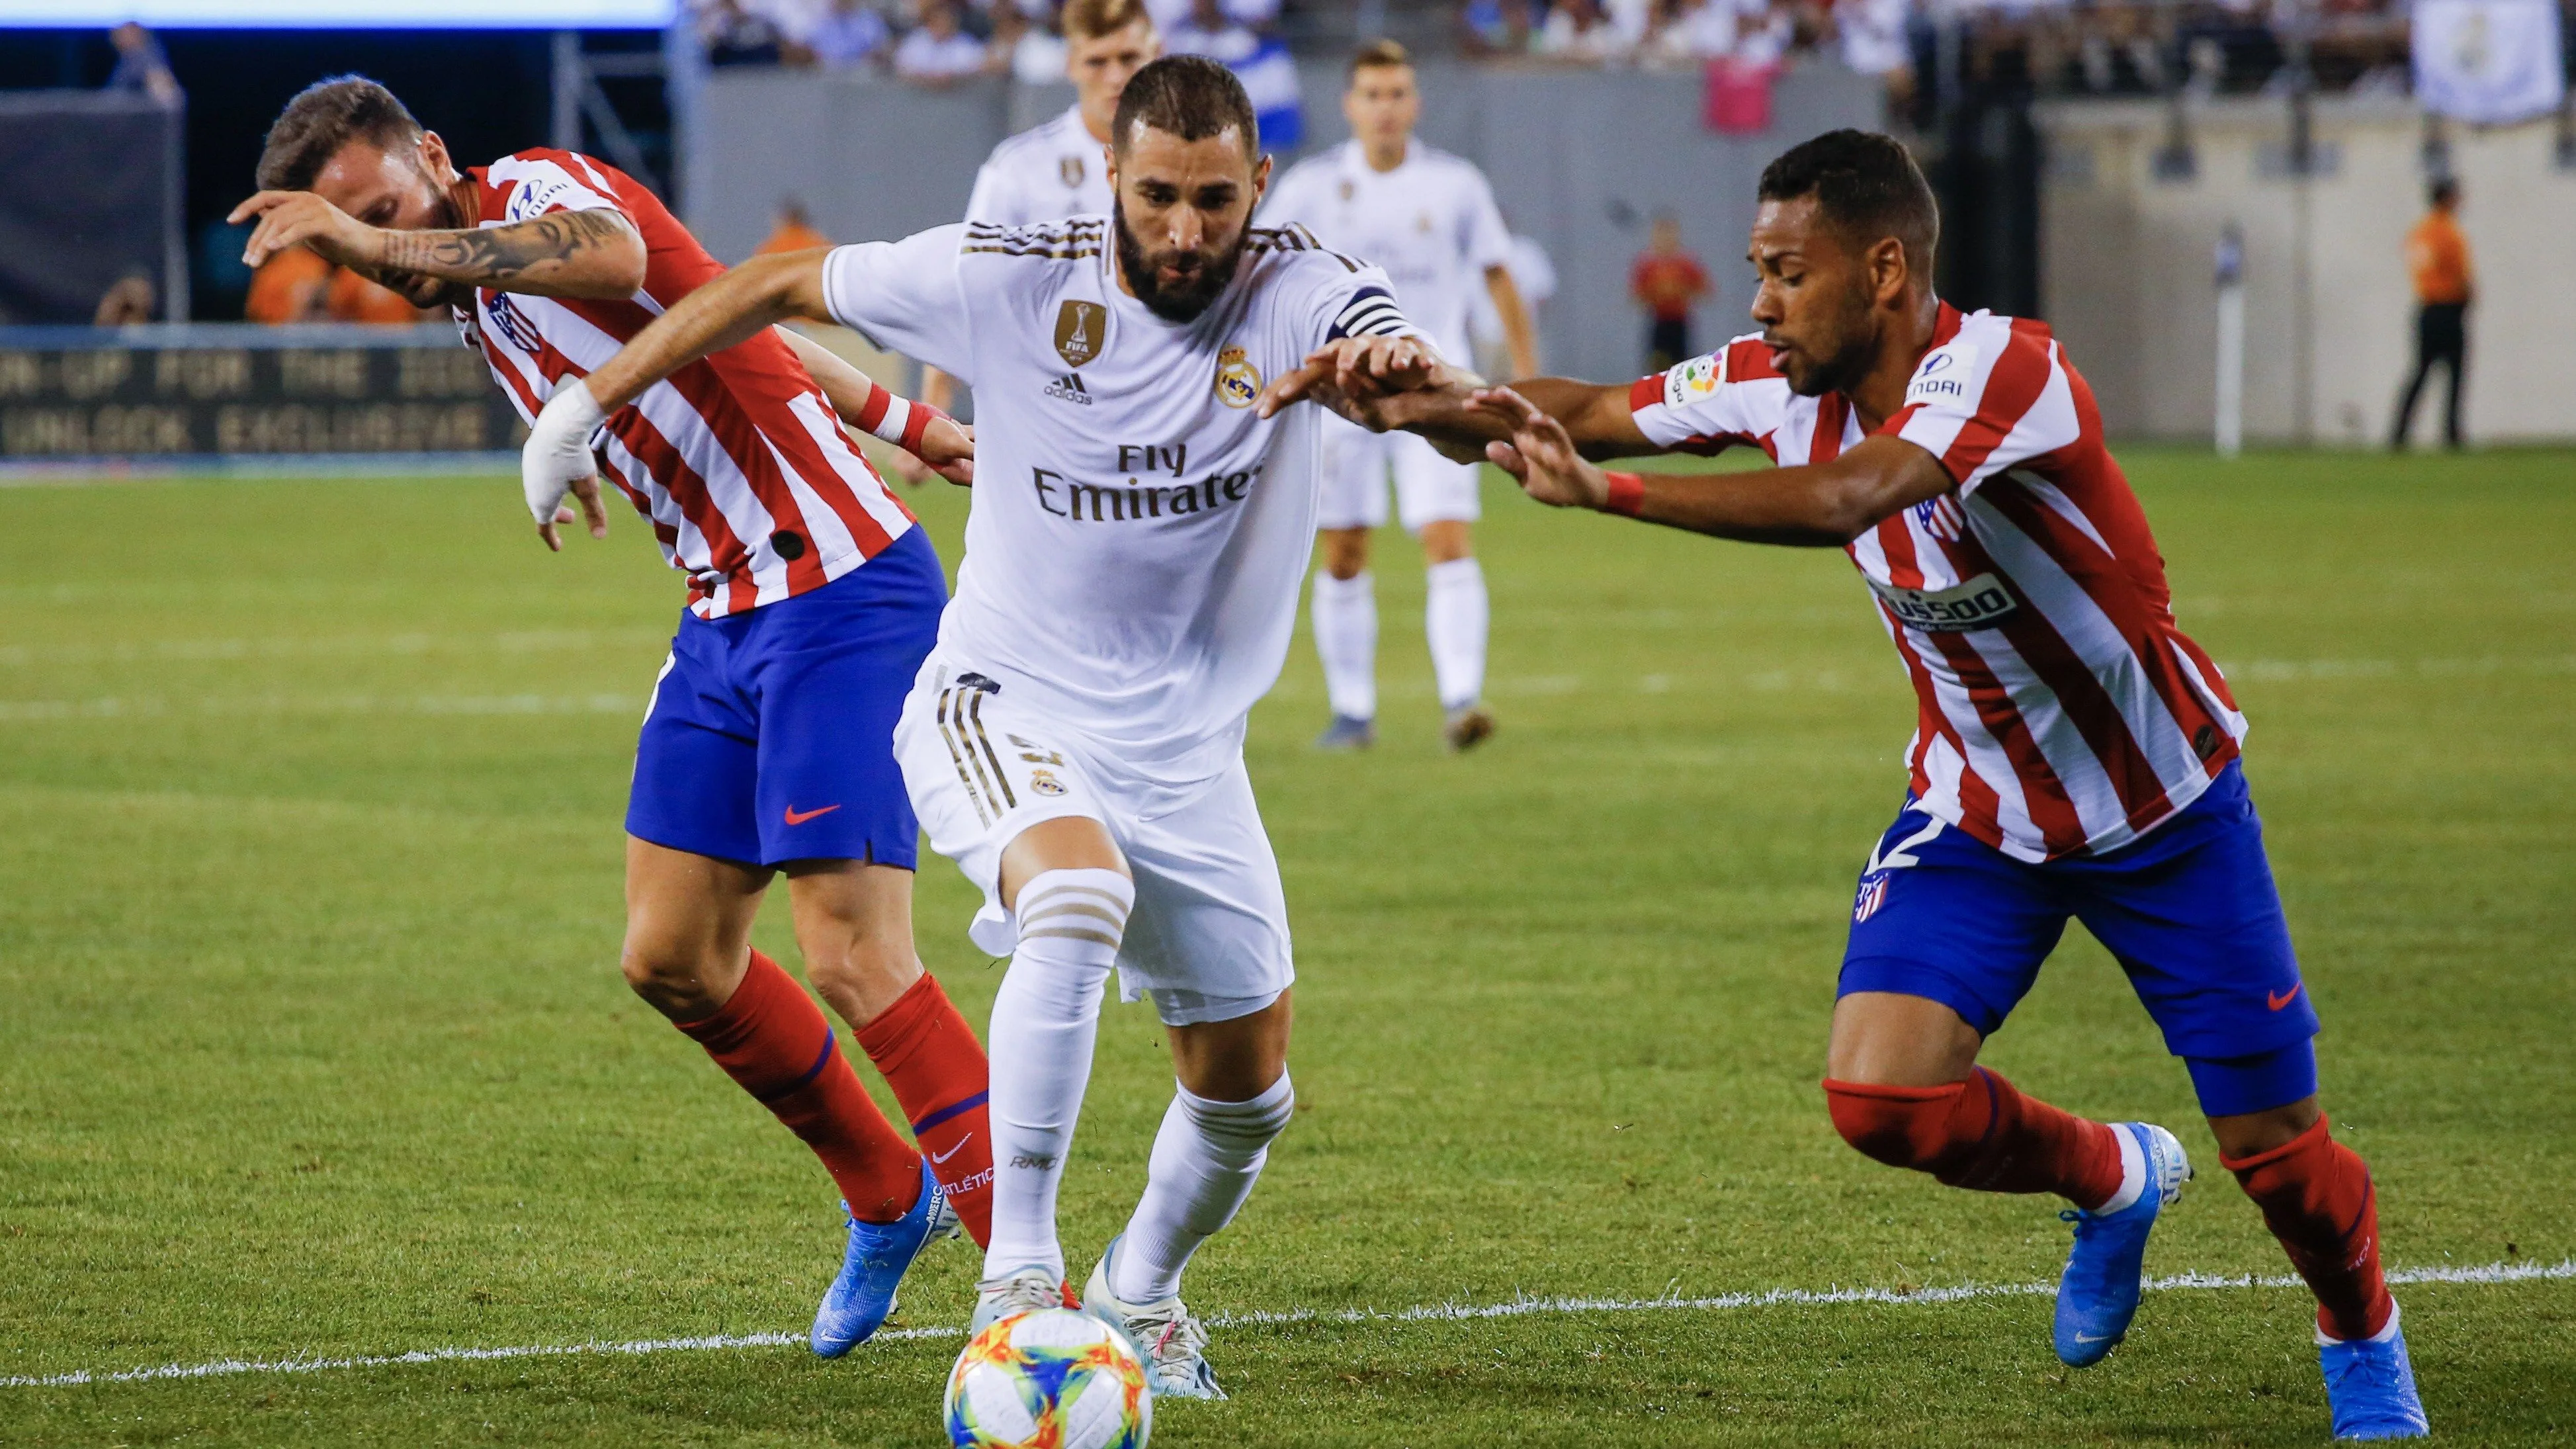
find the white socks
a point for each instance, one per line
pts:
(1345, 613)
(1455, 618)
(1044, 1020)
(1205, 1160)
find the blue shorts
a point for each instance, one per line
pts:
(771, 733)
(2190, 912)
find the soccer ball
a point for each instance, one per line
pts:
(1054, 1378)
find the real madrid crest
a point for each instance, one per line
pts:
(1347, 189)
(1070, 170)
(1081, 332)
(1238, 382)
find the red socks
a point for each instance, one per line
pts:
(2317, 1199)
(772, 1039)
(1980, 1134)
(930, 1057)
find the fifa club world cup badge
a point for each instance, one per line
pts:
(1081, 331)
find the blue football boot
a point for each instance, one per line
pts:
(2371, 1386)
(2099, 1293)
(863, 1296)
(1347, 733)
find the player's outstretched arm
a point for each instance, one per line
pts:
(943, 445)
(1364, 380)
(595, 253)
(758, 294)
(1820, 505)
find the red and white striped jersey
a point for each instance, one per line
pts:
(737, 459)
(2060, 710)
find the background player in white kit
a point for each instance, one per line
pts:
(1429, 219)
(1059, 168)
(1139, 531)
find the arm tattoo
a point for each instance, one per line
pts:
(540, 249)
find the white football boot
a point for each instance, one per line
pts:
(1022, 1290)
(1171, 1341)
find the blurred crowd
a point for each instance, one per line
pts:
(938, 42)
(2050, 46)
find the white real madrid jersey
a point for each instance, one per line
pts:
(1431, 223)
(1138, 535)
(1045, 173)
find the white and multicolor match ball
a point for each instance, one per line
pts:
(1053, 1379)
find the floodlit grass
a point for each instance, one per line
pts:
(314, 1044)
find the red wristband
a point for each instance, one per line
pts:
(916, 425)
(1627, 494)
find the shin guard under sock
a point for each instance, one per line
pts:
(772, 1039)
(2317, 1198)
(930, 1057)
(1981, 1134)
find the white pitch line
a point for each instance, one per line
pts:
(1428, 1313)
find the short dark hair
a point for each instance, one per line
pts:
(1380, 52)
(1866, 185)
(324, 117)
(1189, 96)
(2445, 190)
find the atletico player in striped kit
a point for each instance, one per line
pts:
(813, 597)
(2074, 753)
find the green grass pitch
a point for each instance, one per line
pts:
(312, 1042)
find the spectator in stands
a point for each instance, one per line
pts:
(1874, 42)
(1494, 27)
(735, 36)
(127, 303)
(791, 231)
(1579, 32)
(849, 33)
(292, 286)
(141, 65)
(1690, 31)
(2438, 256)
(1263, 64)
(1025, 47)
(1667, 281)
(1205, 29)
(938, 51)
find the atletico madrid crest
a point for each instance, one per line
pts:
(1873, 894)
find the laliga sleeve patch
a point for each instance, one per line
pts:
(1944, 375)
(538, 195)
(1695, 379)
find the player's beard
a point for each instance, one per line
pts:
(1848, 363)
(1202, 277)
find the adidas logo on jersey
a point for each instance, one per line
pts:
(1069, 387)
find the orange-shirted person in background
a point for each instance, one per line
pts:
(291, 286)
(794, 231)
(1667, 281)
(2438, 255)
(353, 298)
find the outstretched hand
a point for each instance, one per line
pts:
(1352, 374)
(287, 218)
(1541, 454)
(947, 449)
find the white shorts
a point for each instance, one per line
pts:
(1428, 488)
(1209, 936)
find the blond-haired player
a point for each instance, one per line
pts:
(1060, 167)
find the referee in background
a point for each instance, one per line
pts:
(2438, 254)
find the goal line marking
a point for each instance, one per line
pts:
(2509, 1272)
